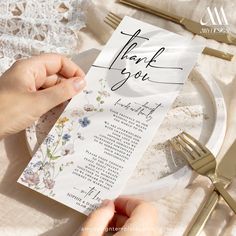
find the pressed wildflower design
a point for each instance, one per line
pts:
(59, 145)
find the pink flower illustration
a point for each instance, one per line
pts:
(89, 107)
(67, 149)
(49, 183)
(30, 177)
(104, 93)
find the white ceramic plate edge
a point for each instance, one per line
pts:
(182, 177)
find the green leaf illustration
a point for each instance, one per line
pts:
(55, 157)
(50, 156)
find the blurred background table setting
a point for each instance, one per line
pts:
(71, 27)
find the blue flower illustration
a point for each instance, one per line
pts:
(66, 137)
(49, 139)
(84, 122)
(38, 164)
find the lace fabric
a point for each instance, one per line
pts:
(29, 27)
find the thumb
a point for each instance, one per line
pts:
(59, 93)
(98, 220)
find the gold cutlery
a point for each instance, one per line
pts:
(113, 21)
(204, 214)
(203, 162)
(190, 25)
(226, 169)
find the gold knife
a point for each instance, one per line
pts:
(190, 25)
(226, 171)
(114, 20)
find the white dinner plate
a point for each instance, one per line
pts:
(199, 110)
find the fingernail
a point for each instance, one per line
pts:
(79, 84)
(105, 203)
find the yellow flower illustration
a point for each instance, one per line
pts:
(62, 121)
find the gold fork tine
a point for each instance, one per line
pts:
(190, 144)
(115, 16)
(200, 146)
(188, 147)
(200, 159)
(195, 145)
(112, 20)
(179, 145)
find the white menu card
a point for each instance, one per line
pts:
(94, 146)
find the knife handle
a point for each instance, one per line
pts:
(204, 215)
(217, 53)
(230, 201)
(153, 10)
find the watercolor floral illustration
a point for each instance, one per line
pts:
(60, 142)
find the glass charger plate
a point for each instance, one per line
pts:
(199, 110)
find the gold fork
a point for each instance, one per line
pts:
(113, 21)
(203, 162)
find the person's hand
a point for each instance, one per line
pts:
(127, 216)
(33, 86)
